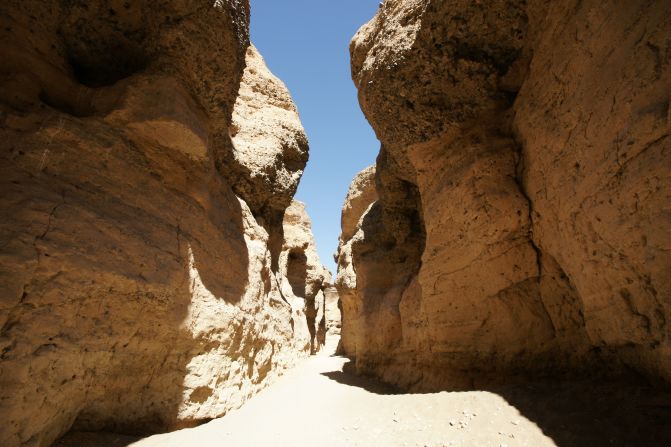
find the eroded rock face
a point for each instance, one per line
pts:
(596, 142)
(361, 195)
(523, 182)
(304, 277)
(270, 148)
(137, 290)
(332, 311)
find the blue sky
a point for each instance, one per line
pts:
(306, 44)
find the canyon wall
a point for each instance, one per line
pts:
(523, 223)
(304, 278)
(360, 196)
(148, 157)
(332, 312)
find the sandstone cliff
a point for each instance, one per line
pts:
(332, 312)
(270, 148)
(360, 196)
(147, 158)
(303, 275)
(523, 213)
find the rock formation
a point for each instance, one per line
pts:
(361, 195)
(147, 159)
(332, 312)
(302, 273)
(270, 148)
(523, 215)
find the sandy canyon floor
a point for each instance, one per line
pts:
(317, 404)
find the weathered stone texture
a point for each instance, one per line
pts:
(332, 311)
(270, 148)
(303, 275)
(138, 292)
(523, 213)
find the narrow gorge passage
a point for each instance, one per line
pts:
(478, 252)
(317, 404)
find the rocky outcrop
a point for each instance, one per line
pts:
(141, 144)
(304, 277)
(270, 148)
(360, 196)
(523, 181)
(332, 312)
(599, 189)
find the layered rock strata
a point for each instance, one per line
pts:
(523, 215)
(140, 283)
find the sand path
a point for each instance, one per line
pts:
(317, 404)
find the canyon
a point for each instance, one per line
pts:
(503, 269)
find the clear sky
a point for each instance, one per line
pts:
(306, 44)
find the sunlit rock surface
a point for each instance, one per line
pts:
(140, 288)
(303, 276)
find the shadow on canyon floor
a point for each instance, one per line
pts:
(362, 411)
(573, 412)
(368, 384)
(588, 413)
(81, 439)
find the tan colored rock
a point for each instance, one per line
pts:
(270, 148)
(137, 291)
(303, 275)
(512, 232)
(360, 197)
(594, 123)
(332, 311)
